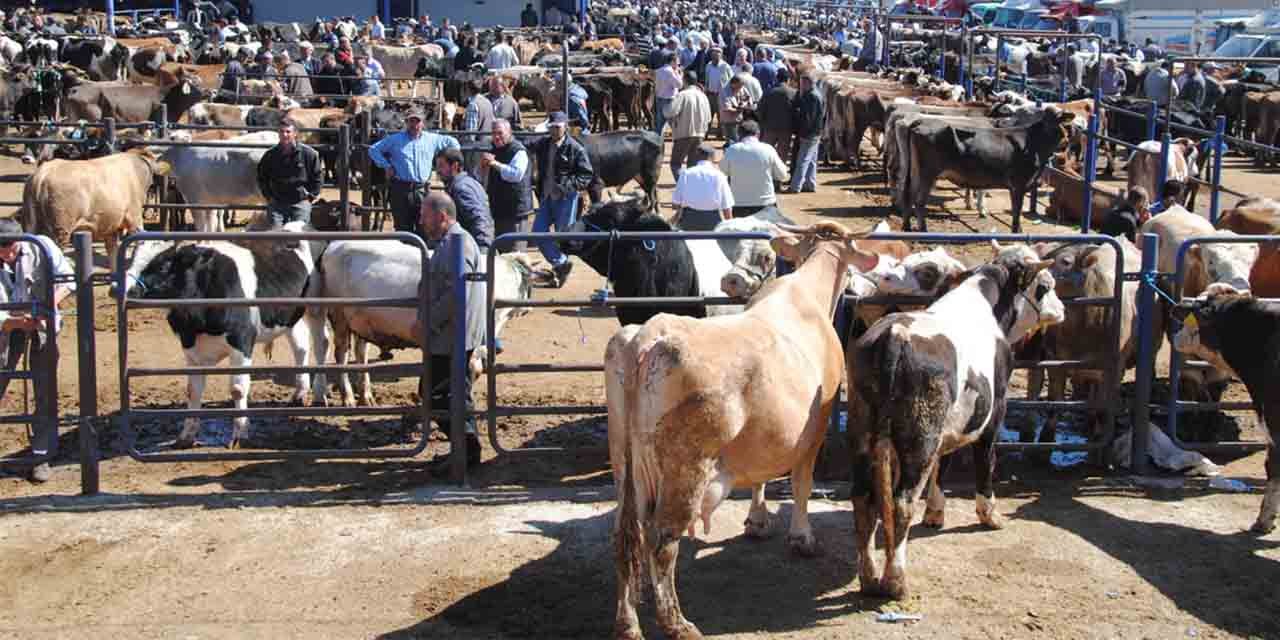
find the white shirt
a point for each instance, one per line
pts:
(703, 188)
(668, 83)
(27, 273)
(501, 56)
(751, 167)
(377, 30)
(752, 85)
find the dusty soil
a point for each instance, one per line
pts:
(387, 549)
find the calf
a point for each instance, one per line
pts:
(618, 157)
(1240, 334)
(210, 335)
(217, 175)
(1067, 202)
(926, 383)
(1144, 168)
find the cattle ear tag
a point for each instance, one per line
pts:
(186, 88)
(1191, 321)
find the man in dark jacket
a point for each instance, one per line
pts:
(1128, 217)
(563, 171)
(807, 114)
(468, 195)
(467, 54)
(774, 114)
(327, 82)
(510, 183)
(289, 177)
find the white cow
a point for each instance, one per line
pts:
(220, 175)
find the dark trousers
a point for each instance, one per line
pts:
(513, 224)
(780, 141)
(682, 154)
(442, 394)
(47, 434)
(742, 212)
(698, 219)
(406, 204)
(280, 214)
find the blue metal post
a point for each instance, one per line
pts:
(177, 10)
(1146, 356)
(1165, 141)
(458, 369)
(1219, 147)
(1090, 168)
(1062, 77)
(1022, 84)
(111, 17)
(386, 12)
(888, 41)
(1151, 128)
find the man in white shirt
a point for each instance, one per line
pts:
(752, 167)
(717, 74)
(702, 194)
(749, 81)
(501, 56)
(667, 83)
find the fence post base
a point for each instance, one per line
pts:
(87, 361)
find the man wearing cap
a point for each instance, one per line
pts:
(563, 170)
(468, 195)
(510, 185)
(702, 193)
(289, 177)
(308, 58)
(690, 116)
(294, 78)
(407, 158)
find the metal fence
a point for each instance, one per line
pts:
(42, 373)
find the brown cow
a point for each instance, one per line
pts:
(103, 195)
(210, 74)
(601, 45)
(1067, 202)
(1258, 216)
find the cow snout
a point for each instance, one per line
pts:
(738, 284)
(1052, 311)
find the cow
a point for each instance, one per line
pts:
(103, 59)
(923, 384)
(402, 62)
(171, 72)
(217, 175)
(645, 268)
(1258, 216)
(618, 157)
(210, 335)
(897, 146)
(1067, 202)
(225, 115)
(689, 420)
(981, 158)
(392, 269)
(601, 45)
(754, 261)
(1238, 333)
(1144, 168)
(94, 101)
(103, 196)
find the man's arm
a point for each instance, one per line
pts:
(514, 172)
(313, 174)
(583, 174)
(264, 173)
(778, 168)
(377, 152)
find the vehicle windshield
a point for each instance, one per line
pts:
(1047, 24)
(1008, 18)
(1238, 47)
(1029, 21)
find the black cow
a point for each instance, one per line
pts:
(977, 158)
(95, 59)
(619, 157)
(381, 123)
(638, 267)
(1240, 333)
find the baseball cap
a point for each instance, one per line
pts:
(559, 118)
(415, 113)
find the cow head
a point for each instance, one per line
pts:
(1226, 263)
(151, 272)
(797, 244)
(623, 215)
(1028, 288)
(1195, 327)
(922, 273)
(755, 265)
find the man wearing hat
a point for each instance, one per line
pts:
(408, 158)
(702, 193)
(563, 170)
(294, 78)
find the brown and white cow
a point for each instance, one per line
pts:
(1144, 168)
(690, 420)
(926, 383)
(1258, 216)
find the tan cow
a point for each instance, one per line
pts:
(210, 74)
(690, 420)
(103, 195)
(601, 45)
(1144, 168)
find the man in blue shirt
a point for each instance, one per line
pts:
(764, 71)
(408, 158)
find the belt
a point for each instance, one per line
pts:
(416, 185)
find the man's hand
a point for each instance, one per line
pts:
(486, 160)
(391, 172)
(19, 323)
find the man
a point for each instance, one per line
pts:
(687, 53)
(407, 158)
(289, 177)
(1075, 68)
(479, 113)
(501, 56)
(377, 30)
(702, 194)
(734, 102)
(752, 167)
(1213, 90)
(308, 59)
(235, 72)
(1151, 51)
(510, 190)
(365, 83)
(659, 56)
(294, 79)
(1157, 87)
(504, 106)
(578, 114)
(563, 170)
(750, 83)
(764, 70)
(553, 17)
(667, 84)
(29, 285)
(774, 115)
(528, 17)
(466, 55)
(1113, 79)
(439, 221)
(1129, 216)
(807, 114)
(328, 81)
(1192, 88)
(716, 74)
(468, 195)
(690, 116)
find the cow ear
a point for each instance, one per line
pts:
(863, 261)
(995, 245)
(787, 245)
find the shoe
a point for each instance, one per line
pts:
(41, 473)
(440, 463)
(808, 190)
(497, 346)
(786, 190)
(561, 272)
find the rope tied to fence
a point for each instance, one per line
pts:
(1150, 278)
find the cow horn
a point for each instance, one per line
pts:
(995, 245)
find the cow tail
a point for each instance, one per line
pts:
(882, 452)
(628, 538)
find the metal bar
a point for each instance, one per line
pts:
(1090, 168)
(167, 303)
(618, 302)
(384, 369)
(87, 361)
(343, 171)
(202, 207)
(1146, 357)
(543, 410)
(1215, 194)
(301, 454)
(547, 368)
(458, 370)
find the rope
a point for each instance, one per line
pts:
(1150, 279)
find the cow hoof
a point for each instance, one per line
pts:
(628, 633)
(349, 401)
(756, 529)
(301, 399)
(1262, 528)
(184, 443)
(684, 631)
(934, 519)
(367, 400)
(893, 589)
(28, 159)
(803, 544)
(991, 520)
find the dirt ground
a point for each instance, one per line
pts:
(337, 549)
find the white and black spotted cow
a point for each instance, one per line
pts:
(1240, 334)
(211, 334)
(926, 383)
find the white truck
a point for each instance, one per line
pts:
(1255, 37)
(1186, 27)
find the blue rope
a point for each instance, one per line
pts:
(1150, 279)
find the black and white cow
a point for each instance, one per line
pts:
(103, 59)
(926, 383)
(210, 335)
(1241, 334)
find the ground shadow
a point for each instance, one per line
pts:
(725, 587)
(1219, 579)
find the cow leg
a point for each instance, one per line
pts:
(758, 518)
(866, 517)
(341, 345)
(980, 196)
(195, 395)
(319, 350)
(910, 486)
(935, 510)
(1015, 197)
(678, 498)
(301, 342)
(366, 381)
(984, 469)
(239, 396)
(800, 539)
(1266, 522)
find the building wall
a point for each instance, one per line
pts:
(480, 13)
(307, 10)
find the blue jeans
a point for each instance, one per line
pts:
(561, 214)
(659, 120)
(805, 173)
